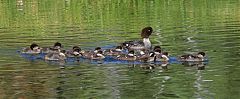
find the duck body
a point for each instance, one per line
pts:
(127, 57)
(56, 55)
(133, 45)
(146, 57)
(113, 52)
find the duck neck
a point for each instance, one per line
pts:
(147, 43)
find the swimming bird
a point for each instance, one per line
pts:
(33, 49)
(74, 52)
(164, 57)
(55, 55)
(145, 43)
(55, 47)
(113, 52)
(146, 57)
(97, 54)
(200, 56)
(128, 57)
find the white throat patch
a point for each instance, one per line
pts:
(147, 43)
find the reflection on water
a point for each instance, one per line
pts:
(179, 27)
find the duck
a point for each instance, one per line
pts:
(158, 51)
(128, 57)
(55, 55)
(164, 57)
(32, 49)
(113, 52)
(199, 57)
(55, 47)
(89, 53)
(97, 49)
(97, 54)
(145, 43)
(76, 51)
(146, 57)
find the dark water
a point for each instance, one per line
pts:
(180, 26)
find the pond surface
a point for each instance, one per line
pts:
(180, 26)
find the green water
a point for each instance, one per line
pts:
(212, 25)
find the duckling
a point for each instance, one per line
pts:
(191, 58)
(129, 57)
(88, 54)
(75, 52)
(158, 51)
(152, 57)
(98, 56)
(159, 55)
(55, 47)
(139, 45)
(97, 49)
(165, 57)
(142, 55)
(56, 55)
(33, 49)
(113, 52)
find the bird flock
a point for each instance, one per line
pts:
(137, 51)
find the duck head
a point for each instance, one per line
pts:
(97, 49)
(34, 46)
(57, 45)
(119, 48)
(165, 56)
(157, 51)
(131, 53)
(100, 54)
(150, 57)
(156, 47)
(76, 50)
(201, 55)
(151, 54)
(146, 32)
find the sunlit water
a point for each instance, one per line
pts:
(180, 27)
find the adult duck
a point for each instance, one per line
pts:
(145, 43)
